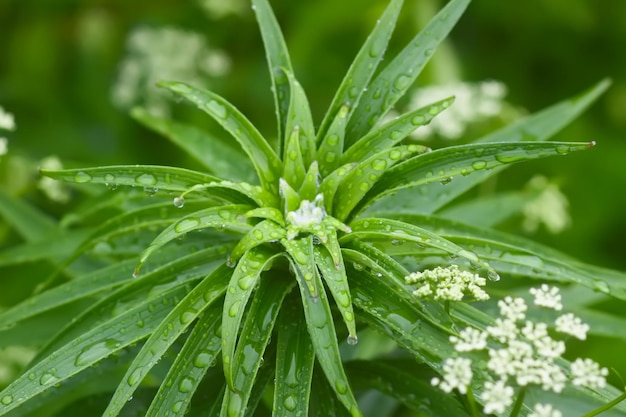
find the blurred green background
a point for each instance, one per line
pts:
(70, 71)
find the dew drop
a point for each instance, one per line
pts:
(290, 403)
(395, 154)
(47, 378)
(601, 286)
(202, 360)
(492, 275)
(234, 308)
(178, 405)
(95, 351)
(218, 109)
(135, 377)
(402, 82)
(446, 181)
(479, 164)
(185, 225)
(7, 399)
(379, 164)
(562, 149)
(397, 242)
(82, 177)
(418, 120)
(146, 180)
(353, 340)
(341, 386)
(186, 385)
(188, 316)
(234, 404)
(179, 202)
(330, 157)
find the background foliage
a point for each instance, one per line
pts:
(61, 59)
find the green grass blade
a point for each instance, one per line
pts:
(222, 217)
(321, 327)
(177, 321)
(28, 221)
(300, 252)
(331, 183)
(198, 354)
(277, 58)
(334, 276)
(293, 164)
(330, 149)
(254, 338)
(210, 151)
(91, 347)
(294, 362)
(310, 185)
(265, 161)
(444, 164)
(299, 117)
(536, 127)
(363, 67)
(269, 213)
(393, 82)
(363, 178)
(394, 131)
(324, 402)
(263, 232)
(396, 232)
(243, 283)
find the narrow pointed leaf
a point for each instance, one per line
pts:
(394, 131)
(299, 117)
(263, 232)
(254, 338)
(393, 82)
(301, 254)
(289, 196)
(28, 221)
(151, 177)
(294, 362)
(330, 183)
(266, 163)
(198, 354)
(93, 346)
(536, 127)
(293, 164)
(330, 149)
(269, 213)
(324, 402)
(311, 183)
(356, 80)
(177, 321)
(233, 192)
(277, 58)
(443, 164)
(222, 217)
(398, 231)
(337, 282)
(210, 151)
(321, 328)
(244, 281)
(53, 248)
(363, 178)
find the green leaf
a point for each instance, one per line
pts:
(151, 177)
(356, 80)
(177, 321)
(269, 213)
(293, 164)
(331, 183)
(93, 346)
(310, 185)
(397, 232)
(265, 161)
(330, 149)
(321, 328)
(210, 151)
(28, 221)
(300, 253)
(363, 178)
(263, 232)
(299, 118)
(294, 362)
(536, 127)
(222, 217)
(53, 248)
(242, 284)
(198, 354)
(334, 276)
(324, 402)
(394, 131)
(444, 164)
(277, 58)
(254, 338)
(393, 82)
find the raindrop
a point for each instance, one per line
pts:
(397, 242)
(179, 202)
(150, 190)
(187, 224)
(446, 181)
(7, 399)
(341, 386)
(135, 377)
(146, 180)
(402, 82)
(95, 351)
(186, 385)
(379, 164)
(202, 360)
(234, 308)
(358, 266)
(353, 340)
(82, 177)
(188, 316)
(178, 405)
(395, 154)
(218, 109)
(601, 286)
(479, 164)
(290, 403)
(492, 275)
(47, 378)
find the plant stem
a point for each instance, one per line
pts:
(606, 406)
(519, 401)
(471, 402)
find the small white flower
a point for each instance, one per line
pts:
(588, 373)
(503, 330)
(497, 397)
(457, 374)
(534, 331)
(7, 121)
(513, 309)
(448, 283)
(545, 410)
(308, 214)
(572, 325)
(548, 297)
(469, 339)
(549, 348)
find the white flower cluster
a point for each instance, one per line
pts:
(171, 54)
(549, 208)
(448, 283)
(526, 355)
(7, 122)
(216, 9)
(473, 102)
(54, 190)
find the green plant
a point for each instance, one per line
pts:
(344, 211)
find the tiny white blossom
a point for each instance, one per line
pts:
(549, 348)
(469, 339)
(588, 373)
(497, 397)
(545, 410)
(503, 330)
(572, 325)
(457, 374)
(548, 297)
(7, 121)
(448, 283)
(513, 309)
(308, 214)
